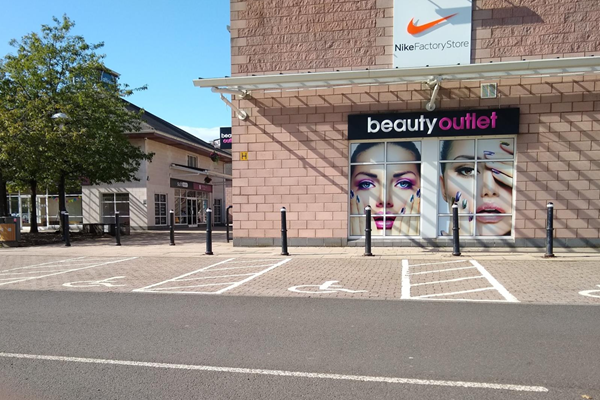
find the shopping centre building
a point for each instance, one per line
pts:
(186, 175)
(409, 107)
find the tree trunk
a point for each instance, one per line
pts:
(62, 201)
(3, 197)
(33, 226)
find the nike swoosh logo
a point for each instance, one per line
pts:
(415, 30)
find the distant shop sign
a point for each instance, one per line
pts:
(225, 139)
(179, 184)
(432, 33)
(503, 121)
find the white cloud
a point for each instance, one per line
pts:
(206, 134)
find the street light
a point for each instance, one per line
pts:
(62, 196)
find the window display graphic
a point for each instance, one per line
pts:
(387, 177)
(482, 186)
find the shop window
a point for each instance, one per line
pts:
(192, 161)
(113, 202)
(387, 177)
(478, 176)
(160, 209)
(217, 208)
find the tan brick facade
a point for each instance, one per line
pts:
(297, 140)
(272, 36)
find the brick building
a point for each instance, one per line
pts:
(336, 97)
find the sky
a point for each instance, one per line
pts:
(162, 44)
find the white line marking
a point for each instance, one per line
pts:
(440, 270)
(46, 263)
(182, 276)
(505, 293)
(453, 293)
(447, 280)
(271, 372)
(405, 293)
(67, 271)
(250, 266)
(255, 276)
(193, 286)
(212, 277)
(253, 260)
(439, 263)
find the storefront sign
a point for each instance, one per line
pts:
(504, 121)
(225, 139)
(432, 33)
(177, 183)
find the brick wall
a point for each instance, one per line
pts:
(298, 153)
(269, 36)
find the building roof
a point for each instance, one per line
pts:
(151, 124)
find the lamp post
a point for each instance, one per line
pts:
(62, 201)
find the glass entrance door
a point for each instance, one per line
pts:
(192, 206)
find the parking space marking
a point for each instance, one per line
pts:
(228, 282)
(282, 373)
(483, 274)
(55, 268)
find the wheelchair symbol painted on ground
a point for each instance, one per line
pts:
(104, 282)
(327, 287)
(588, 293)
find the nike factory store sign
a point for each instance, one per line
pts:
(502, 121)
(425, 34)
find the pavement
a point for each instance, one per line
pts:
(147, 263)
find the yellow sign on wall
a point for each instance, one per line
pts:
(244, 156)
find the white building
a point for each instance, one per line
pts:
(186, 175)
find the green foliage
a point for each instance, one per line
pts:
(56, 72)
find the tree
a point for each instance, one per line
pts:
(57, 73)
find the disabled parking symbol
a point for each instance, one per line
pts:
(588, 293)
(104, 282)
(327, 287)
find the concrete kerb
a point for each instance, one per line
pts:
(195, 248)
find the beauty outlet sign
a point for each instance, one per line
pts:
(502, 121)
(432, 32)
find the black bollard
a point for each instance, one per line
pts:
(172, 227)
(368, 232)
(455, 229)
(284, 245)
(209, 251)
(227, 221)
(66, 225)
(550, 232)
(62, 222)
(117, 228)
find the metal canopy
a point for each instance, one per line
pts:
(508, 69)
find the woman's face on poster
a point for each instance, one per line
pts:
(485, 188)
(402, 181)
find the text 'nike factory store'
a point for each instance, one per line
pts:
(409, 108)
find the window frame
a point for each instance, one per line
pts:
(430, 162)
(124, 218)
(193, 157)
(158, 203)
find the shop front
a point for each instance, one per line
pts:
(411, 167)
(192, 199)
(356, 103)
